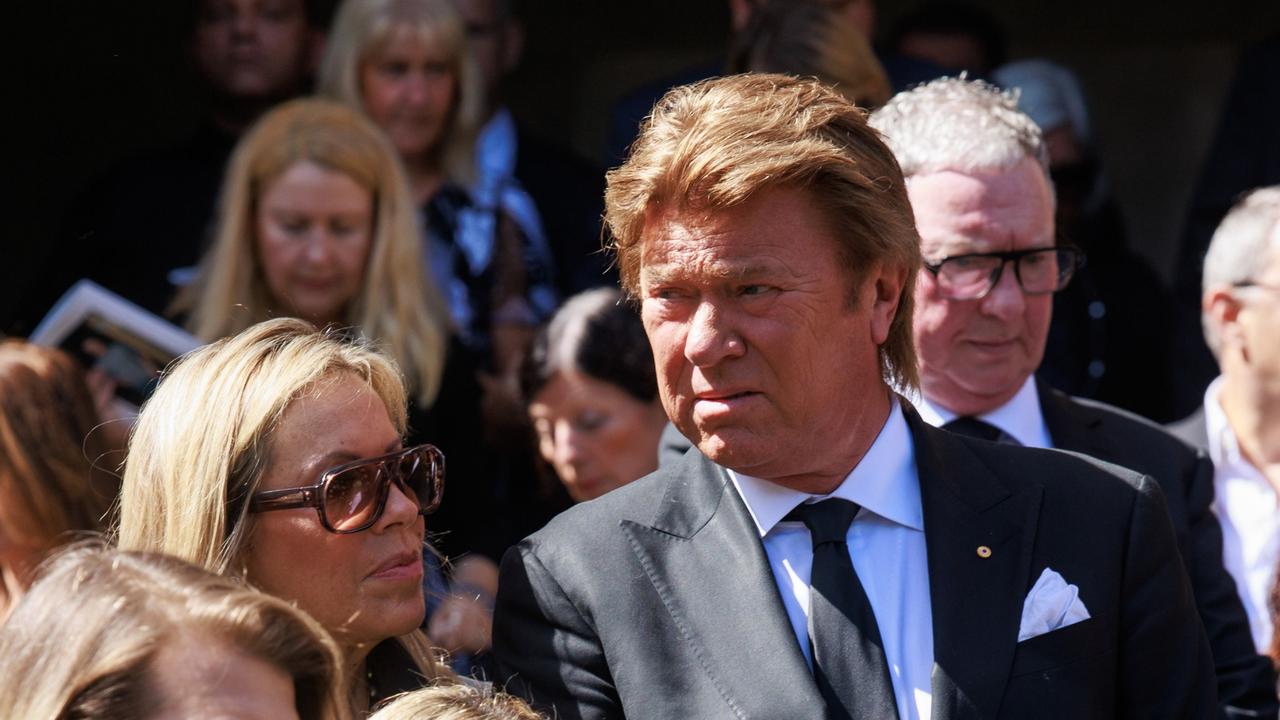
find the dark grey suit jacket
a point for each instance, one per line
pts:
(1246, 680)
(657, 601)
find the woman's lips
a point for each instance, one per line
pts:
(402, 566)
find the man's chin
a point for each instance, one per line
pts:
(733, 448)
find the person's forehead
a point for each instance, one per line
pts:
(760, 235)
(983, 210)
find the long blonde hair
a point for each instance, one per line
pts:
(84, 640)
(202, 441)
(398, 305)
(362, 27)
(456, 702)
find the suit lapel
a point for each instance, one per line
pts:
(704, 556)
(1072, 426)
(976, 601)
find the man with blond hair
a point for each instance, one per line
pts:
(977, 174)
(1239, 425)
(821, 552)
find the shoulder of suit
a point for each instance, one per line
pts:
(591, 521)
(1191, 430)
(1069, 471)
(1145, 435)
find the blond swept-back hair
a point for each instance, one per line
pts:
(456, 702)
(84, 641)
(53, 476)
(713, 145)
(398, 305)
(361, 29)
(1246, 240)
(959, 124)
(815, 39)
(203, 441)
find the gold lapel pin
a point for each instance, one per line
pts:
(984, 551)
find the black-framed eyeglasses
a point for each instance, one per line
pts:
(351, 497)
(1040, 271)
(1255, 284)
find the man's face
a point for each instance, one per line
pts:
(260, 49)
(762, 358)
(1259, 324)
(976, 354)
(488, 39)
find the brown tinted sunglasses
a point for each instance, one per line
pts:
(351, 497)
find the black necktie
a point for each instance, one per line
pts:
(975, 428)
(848, 655)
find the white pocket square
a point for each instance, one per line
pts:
(1051, 605)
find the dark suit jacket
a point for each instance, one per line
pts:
(657, 601)
(569, 194)
(1192, 430)
(1246, 680)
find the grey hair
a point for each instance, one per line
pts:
(959, 124)
(1240, 247)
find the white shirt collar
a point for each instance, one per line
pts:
(1020, 417)
(1224, 447)
(884, 482)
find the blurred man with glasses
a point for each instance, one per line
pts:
(977, 177)
(1239, 425)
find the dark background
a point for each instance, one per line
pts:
(100, 80)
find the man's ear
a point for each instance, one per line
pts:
(1221, 307)
(885, 297)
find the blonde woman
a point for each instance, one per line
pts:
(53, 459)
(315, 221)
(456, 702)
(132, 636)
(405, 64)
(277, 456)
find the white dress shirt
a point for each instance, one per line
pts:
(1020, 417)
(886, 544)
(1247, 508)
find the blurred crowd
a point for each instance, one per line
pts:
(416, 351)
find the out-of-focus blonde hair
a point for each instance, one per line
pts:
(456, 702)
(83, 642)
(53, 480)
(203, 441)
(361, 29)
(803, 37)
(713, 145)
(398, 306)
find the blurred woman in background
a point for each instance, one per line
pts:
(124, 636)
(405, 64)
(593, 396)
(278, 456)
(812, 39)
(53, 459)
(315, 221)
(456, 702)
